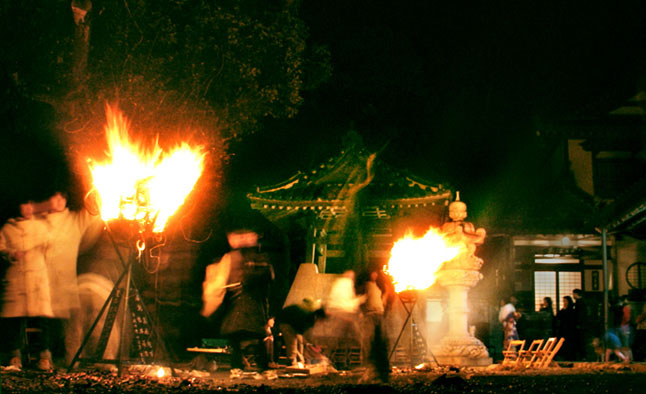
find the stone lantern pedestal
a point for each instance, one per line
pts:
(459, 347)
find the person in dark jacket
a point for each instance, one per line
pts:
(547, 317)
(566, 328)
(582, 322)
(245, 307)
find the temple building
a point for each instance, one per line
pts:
(351, 207)
(346, 214)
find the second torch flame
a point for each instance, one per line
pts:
(143, 184)
(415, 261)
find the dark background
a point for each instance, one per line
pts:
(454, 93)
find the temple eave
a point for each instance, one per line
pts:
(320, 204)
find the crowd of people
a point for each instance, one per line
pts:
(40, 248)
(624, 340)
(235, 297)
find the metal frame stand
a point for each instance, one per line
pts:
(114, 301)
(409, 300)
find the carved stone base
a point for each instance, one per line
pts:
(463, 351)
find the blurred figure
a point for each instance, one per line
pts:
(343, 309)
(270, 342)
(237, 287)
(293, 321)
(26, 292)
(508, 317)
(71, 232)
(343, 299)
(547, 311)
(566, 328)
(616, 345)
(582, 335)
(374, 346)
(41, 281)
(622, 326)
(41, 190)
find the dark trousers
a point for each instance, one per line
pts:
(13, 331)
(240, 341)
(375, 345)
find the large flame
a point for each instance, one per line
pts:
(143, 184)
(415, 261)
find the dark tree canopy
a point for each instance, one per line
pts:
(240, 61)
(208, 71)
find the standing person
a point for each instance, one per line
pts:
(343, 309)
(581, 326)
(547, 311)
(374, 346)
(71, 231)
(270, 342)
(508, 317)
(238, 287)
(566, 328)
(26, 292)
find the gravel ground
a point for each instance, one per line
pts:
(573, 378)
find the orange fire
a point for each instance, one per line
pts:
(415, 261)
(143, 184)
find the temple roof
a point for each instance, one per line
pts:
(333, 183)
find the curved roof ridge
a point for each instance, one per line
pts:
(283, 185)
(334, 180)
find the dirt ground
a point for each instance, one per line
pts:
(567, 378)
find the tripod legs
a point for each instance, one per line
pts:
(409, 306)
(114, 294)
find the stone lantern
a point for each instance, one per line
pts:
(459, 347)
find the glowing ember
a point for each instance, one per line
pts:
(160, 372)
(143, 184)
(415, 261)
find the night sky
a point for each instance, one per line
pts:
(454, 92)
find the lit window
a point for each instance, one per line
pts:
(544, 286)
(568, 281)
(549, 284)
